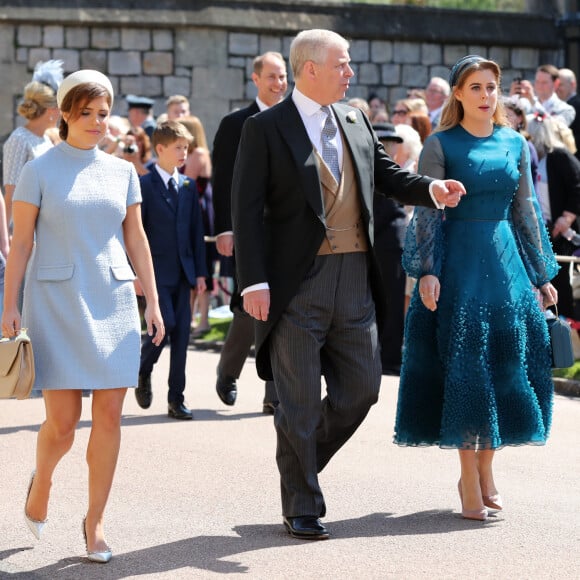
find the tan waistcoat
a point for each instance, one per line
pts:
(344, 226)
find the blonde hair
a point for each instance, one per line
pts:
(258, 62)
(38, 97)
(168, 132)
(412, 143)
(542, 130)
(360, 103)
(564, 133)
(176, 100)
(195, 127)
(452, 113)
(313, 45)
(414, 105)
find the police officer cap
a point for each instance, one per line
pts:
(133, 101)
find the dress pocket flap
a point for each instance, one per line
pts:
(123, 272)
(55, 273)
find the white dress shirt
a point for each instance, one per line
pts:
(167, 176)
(314, 118)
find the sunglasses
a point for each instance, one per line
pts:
(400, 112)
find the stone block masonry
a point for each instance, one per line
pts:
(204, 51)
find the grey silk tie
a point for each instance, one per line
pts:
(172, 187)
(329, 151)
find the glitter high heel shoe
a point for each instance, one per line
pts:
(34, 526)
(100, 557)
(480, 514)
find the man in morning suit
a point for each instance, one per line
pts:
(302, 200)
(173, 224)
(271, 80)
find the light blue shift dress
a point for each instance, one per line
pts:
(79, 302)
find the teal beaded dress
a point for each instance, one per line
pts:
(476, 372)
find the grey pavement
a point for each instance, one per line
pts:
(200, 499)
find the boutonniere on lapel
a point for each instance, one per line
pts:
(186, 182)
(351, 117)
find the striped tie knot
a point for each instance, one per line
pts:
(329, 150)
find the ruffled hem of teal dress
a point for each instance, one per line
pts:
(497, 389)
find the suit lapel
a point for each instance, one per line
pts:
(292, 128)
(160, 188)
(253, 109)
(184, 195)
(355, 138)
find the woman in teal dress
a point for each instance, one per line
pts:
(476, 372)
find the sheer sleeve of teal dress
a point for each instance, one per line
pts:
(476, 372)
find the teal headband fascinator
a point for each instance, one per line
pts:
(461, 65)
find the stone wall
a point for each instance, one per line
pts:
(204, 50)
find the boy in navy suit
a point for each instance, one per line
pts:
(173, 224)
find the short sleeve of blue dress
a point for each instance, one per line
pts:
(476, 372)
(28, 187)
(134, 190)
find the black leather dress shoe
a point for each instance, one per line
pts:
(226, 389)
(306, 528)
(179, 411)
(269, 408)
(143, 392)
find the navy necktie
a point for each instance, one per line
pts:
(172, 187)
(329, 151)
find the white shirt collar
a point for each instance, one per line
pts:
(313, 119)
(305, 105)
(167, 176)
(549, 103)
(261, 105)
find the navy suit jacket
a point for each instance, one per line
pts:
(175, 234)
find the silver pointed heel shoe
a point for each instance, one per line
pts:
(35, 526)
(100, 557)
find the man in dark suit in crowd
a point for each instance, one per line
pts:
(302, 200)
(566, 91)
(271, 80)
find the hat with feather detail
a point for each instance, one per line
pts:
(49, 73)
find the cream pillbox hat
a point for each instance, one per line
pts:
(80, 77)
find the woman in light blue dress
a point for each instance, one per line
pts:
(476, 372)
(76, 219)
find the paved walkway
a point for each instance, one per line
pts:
(200, 499)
